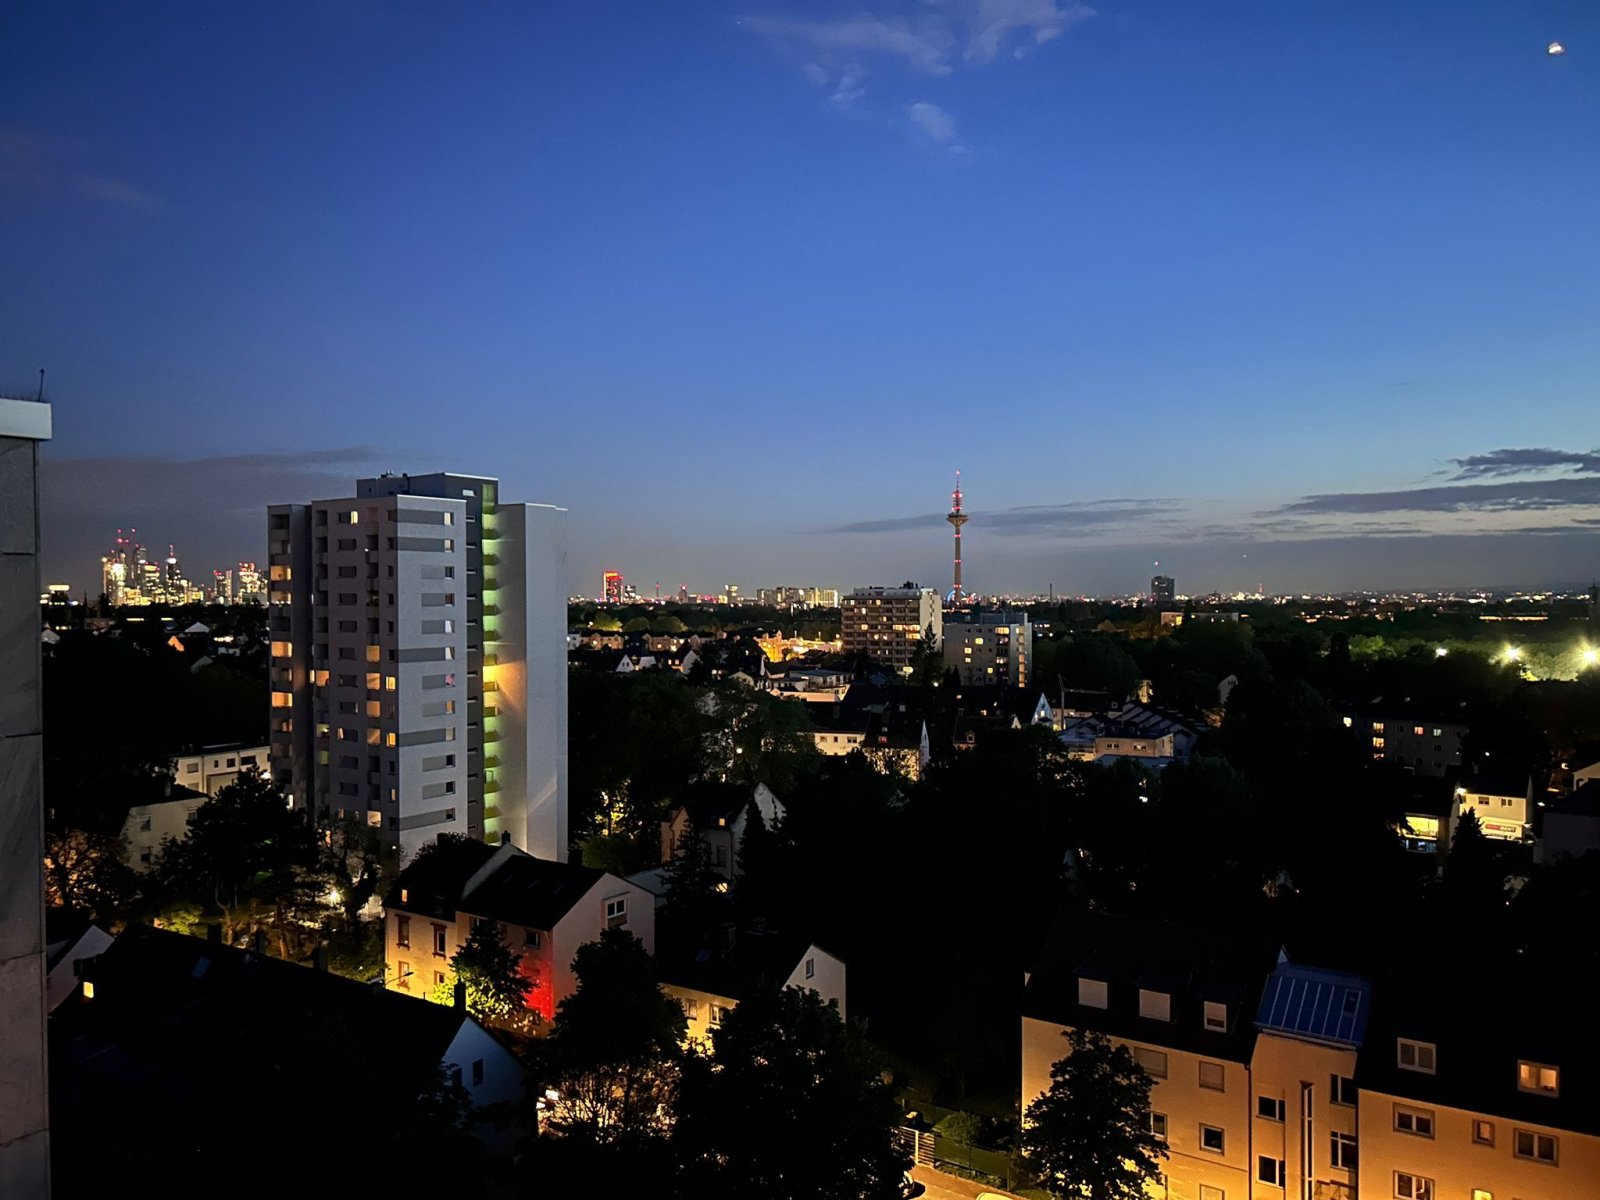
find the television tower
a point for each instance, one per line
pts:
(958, 519)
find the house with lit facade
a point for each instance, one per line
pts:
(710, 983)
(720, 815)
(544, 910)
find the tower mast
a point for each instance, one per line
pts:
(958, 519)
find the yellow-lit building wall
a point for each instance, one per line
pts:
(1462, 1168)
(1186, 1105)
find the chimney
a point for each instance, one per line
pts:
(214, 933)
(319, 957)
(461, 995)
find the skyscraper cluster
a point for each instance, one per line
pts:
(128, 575)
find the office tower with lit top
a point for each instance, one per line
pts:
(957, 518)
(419, 660)
(1163, 590)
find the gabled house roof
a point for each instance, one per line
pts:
(528, 891)
(162, 997)
(456, 875)
(754, 959)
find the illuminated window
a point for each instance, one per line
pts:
(1377, 743)
(390, 739)
(404, 979)
(88, 989)
(1417, 731)
(374, 654)
(389, 683)
(282, 700)
(282, 650)
(1377, 727)
(1538, 1078)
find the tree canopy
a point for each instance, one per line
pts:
(1088, 1136)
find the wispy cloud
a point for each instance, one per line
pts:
(936, 40)
(1521, 496)
(40, 168)
(1525, 462)
(1057, 520)
(936, 125)
(993, 24)
(926, 45)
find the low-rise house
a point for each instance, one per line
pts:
(719, 814)
(1503, 806)
(814, 685)
(710, 984)
(71, 941)
(1571, 824)
(1135, 731)
(212, 768)
(884, 721)
(149, 824)
(545, 910)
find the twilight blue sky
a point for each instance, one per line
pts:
(741, 282)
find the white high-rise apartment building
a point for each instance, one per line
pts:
(419, 668)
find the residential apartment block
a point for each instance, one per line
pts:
(1425, 745)
(887, 624)
(990, 648)
(419, 674)
(1273, 1079)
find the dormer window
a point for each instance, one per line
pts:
(1091, 992)
(1415, 1056)
(1156, 1006)
(1216, 1016)
(1538, 1078)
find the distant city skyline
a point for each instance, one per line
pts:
(1275, 295)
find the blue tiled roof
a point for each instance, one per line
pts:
(1323, 1006)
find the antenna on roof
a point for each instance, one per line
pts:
(40, 396)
